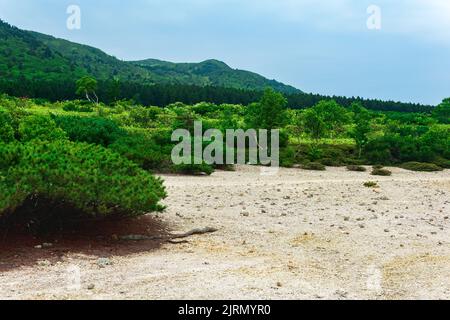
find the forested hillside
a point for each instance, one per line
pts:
(35, 65)
(35, 56)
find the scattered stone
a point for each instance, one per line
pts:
(245, 213)
(342, 294)
(91, 287)
(104, 262)
(44, 263)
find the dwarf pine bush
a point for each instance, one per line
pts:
(419, 166)
(37, 127)
(356, 168)
(6, 129)
(99, 131)
(88, 178)
(144, 151)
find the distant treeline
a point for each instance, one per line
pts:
(163, 95)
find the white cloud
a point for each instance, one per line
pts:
(429, 19)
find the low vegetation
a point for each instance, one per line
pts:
(419, 166)
(356, 168)
(315, 166)
(371, 184)
(381, 172)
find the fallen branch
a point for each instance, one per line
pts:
(170, 237)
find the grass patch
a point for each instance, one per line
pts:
(314, 166)
(371, 184)
(421, 166)
(381, 172)
(356, 168)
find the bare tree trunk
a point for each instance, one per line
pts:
(87, 97)
(96, 98)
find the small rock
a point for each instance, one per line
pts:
(91, 287)
(245, 213)
(104, 262)
(44, 263)
(342, 294)
(38, 247)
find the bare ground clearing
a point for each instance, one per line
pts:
(298, 235)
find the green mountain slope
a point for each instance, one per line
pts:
(35, 56)
(211, 72)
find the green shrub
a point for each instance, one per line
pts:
(315, 166)
(356, 168)
(6, 129)
(143, 151)
(76, 107)
(84, 177)
(378, 166)
(39, 127)
(371, 184)
(194, 169)
(144, 117)
(443, 163)
(332, 162)
(381, 172)
(287, 157)
(99, 131)
(420, 166)
(314, 152)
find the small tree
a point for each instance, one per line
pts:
(314, 124)
(297, 126)
(333, 115)
(87, 86)
(269, 113)
(361, 117)
(442, 111)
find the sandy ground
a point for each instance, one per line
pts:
(297, 235)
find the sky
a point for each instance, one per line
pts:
(318, 46)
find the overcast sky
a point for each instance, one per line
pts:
(317, 46)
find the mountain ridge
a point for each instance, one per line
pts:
(35, 55)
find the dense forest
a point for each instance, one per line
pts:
(164, 94)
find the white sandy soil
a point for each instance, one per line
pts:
(297, 235)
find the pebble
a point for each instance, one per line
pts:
(104, 262)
